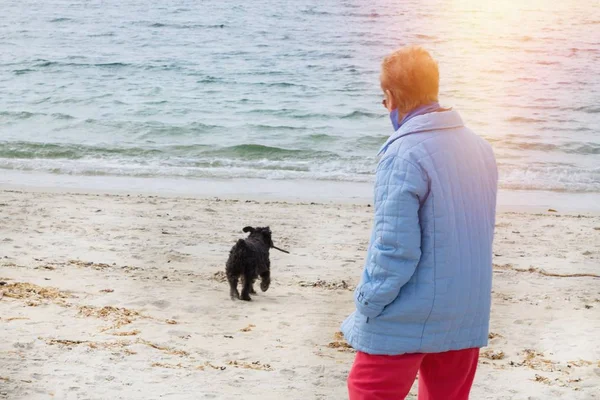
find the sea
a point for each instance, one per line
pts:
(280, 91)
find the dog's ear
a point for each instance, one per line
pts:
(248, 229)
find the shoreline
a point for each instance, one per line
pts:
(294, 191)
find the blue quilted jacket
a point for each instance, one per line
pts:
(426, 285)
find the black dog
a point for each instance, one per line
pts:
(249, 259)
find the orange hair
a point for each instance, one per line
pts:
(412, 75)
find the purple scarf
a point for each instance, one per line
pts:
(424, 109)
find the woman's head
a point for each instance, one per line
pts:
(409, 78)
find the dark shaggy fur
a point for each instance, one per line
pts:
(249, 259)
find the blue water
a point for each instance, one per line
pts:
(289, 90)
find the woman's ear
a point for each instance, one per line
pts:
(248, 229)
(390, 101)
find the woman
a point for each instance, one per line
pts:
(423, 303)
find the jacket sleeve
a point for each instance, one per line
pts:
(395, 248)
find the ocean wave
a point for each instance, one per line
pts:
(257, 161)
(590, 109)
(524, 120)
(23, 71)
(276, 128)
(561, 179)
(221, 169)
(322, 138)
(583, 148)
(256, 151)
(361, 15)
(182, 26)
(210, 79)
(32, 150)
(158, 153)
(150, 129)
(63, 19)
(62, 116)
(48, 63)
(18, 114)
(106, 34)
(26, 115)
(362, 114)
(372, 141)
(425, 37)
(313, 11)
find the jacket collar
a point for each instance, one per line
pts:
(447, 119)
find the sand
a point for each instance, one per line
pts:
(123, 297)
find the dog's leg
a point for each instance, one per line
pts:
(246, 290)
(265, 280)
(265, 276)
(233, 290)
(252, 291)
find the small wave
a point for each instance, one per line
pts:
(519, 136)
(588, 109)
(262, 127)
(255, 149)
(220, 169)
(361, 114)
(162, 153)
(210, 79)
(63, 19)
(589, 148)
(184, 26)
(107, 34)
(46, 63)
(62, 116)
(373, 142)
(290, 113)
(524, 120)
(322, 138)
(583, 148)
(312, 11)
(23, 71)
(425, 37)
(106, 65)
(24, 150)
(276, 84)
(310, 116)
(561, 179)
(362, 15)
(18, 114)
(284, 84)
(258, 152)
(35, 150)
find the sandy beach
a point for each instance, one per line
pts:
(108, 296)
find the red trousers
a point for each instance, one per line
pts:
(442, 376)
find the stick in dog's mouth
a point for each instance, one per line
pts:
(281, 250)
